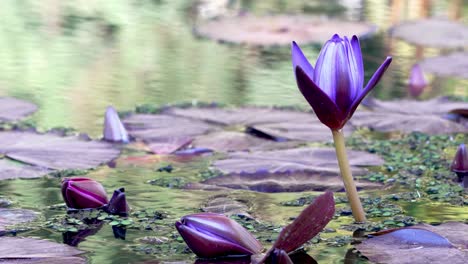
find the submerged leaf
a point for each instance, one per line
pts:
(15, 216)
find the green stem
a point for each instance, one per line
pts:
(350, 187)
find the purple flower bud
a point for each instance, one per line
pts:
(211, 235)
(460, 165)
(113, 127)
(334, 88)
(417, 82)
(118, 203)
(81, 193)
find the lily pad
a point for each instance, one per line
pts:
(289, 170)
(224, 141)
(437, 33)
(47, 152)
(226, 129)
(446, 243)
(30, 250)
(164, 132)
(13, 109)
(409, 116)
(14, 170)
(15, 216)
(278, 30)
(277, 124)
(455, 64)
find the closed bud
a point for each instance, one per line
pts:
(82, 193)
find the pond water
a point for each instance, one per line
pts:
(73, 59)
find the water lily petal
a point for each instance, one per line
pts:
(224, 227)
(298, 59)
(357, 55)
(113, 127)
(325, 109)
(370, 85)
(208, 245)
(324, 75)
(345, 86)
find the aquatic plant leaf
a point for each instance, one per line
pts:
(170, 146)
(165, 134)
(30, 250)
(278, 30)
(13, 170)
(15, 216)
(454, 64)
(308, 224)
(446, 243)
(225, 141)
(278, 124)
(293, 160)
(409, 116)
(290, 170)
(13, 109)
(438, 33)
(55, 152)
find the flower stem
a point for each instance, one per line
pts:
(350, 187)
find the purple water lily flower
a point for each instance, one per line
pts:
(82, 193)
(417, 82)
(114, 130)
(334, 88)
(118, 203)
(211, 235)
(460, 165)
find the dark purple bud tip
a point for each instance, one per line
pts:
(83, 193)
(211, 235)
(460, 161)
(118, 203)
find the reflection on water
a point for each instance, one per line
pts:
(74, 58)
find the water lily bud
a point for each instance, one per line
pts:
(81, 193)
(118, 203)
(417, 82)
(460, 165)
(114, 130)
(334, 89)
(211, 235)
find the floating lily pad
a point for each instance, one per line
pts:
(12, 109)
(47, 152)
(290, 170)
(277, 124)
(278, 30)
(455, 64)
(15, 216)
(321, 160)
(226, 129)
(30, 250)
(409, 116)
(14, 170)
(437, 33)
(446, 243)
(225, 141)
